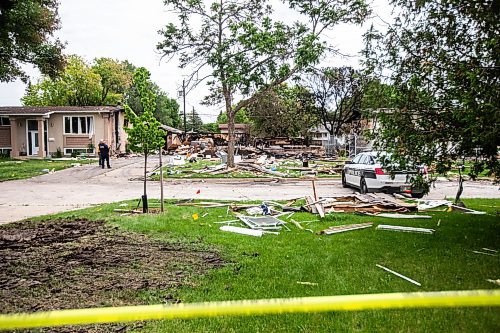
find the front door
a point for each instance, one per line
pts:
(33, 143)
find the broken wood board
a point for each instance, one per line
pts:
(466, 210)
(401, 216)
(320, 209)
(310, 206)
(344, 228)
(369, 203)
(405, 229)
(399, 275)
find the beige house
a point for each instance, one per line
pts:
(39, 132)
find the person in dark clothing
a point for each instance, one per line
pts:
(99, 152)
(104, 150)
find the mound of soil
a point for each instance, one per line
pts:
(61, 264)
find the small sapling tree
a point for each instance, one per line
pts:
(144, 136)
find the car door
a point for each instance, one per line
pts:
(352, 171)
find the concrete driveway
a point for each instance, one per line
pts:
(89, 185)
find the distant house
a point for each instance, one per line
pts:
(41, 131)
(320, 136)
(241, 132)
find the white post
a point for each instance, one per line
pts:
(161, 181)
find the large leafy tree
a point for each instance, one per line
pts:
(26, 27)
(242, 52)
(144, 136)
(116, 78)
(442, 58)
(284, 111)
(80, 84)
(338, 93)
(166, 109)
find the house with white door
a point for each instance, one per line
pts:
(40, 131)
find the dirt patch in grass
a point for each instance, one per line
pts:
(61, 264)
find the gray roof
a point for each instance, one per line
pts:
(42, 110)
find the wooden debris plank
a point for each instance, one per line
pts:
(344, 228)
(405, 229)
(310, 205)
(319, 208)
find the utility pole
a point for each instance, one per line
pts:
(184, 101)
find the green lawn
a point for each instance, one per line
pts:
(11, 169)
(341, 264)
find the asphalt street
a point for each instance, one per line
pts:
(89, 185)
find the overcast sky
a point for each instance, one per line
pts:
(128, 30)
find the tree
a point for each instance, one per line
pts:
(240, 118)
(338, 93)
(80, 84)
(210, 128)
(25, 30)
(242, 53)
(194, 122)
(115, 79)
(144, 136)
(284, 111)
(442, 58)
(166, 110)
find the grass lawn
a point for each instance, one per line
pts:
(11, 169)
(340, 264)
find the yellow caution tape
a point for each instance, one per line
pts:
(252, 307)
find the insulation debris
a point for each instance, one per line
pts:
(343, 228)
(405, 229)
(242, 231)
(430, 204)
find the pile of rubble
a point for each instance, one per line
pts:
(262, 165)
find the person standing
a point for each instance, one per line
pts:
(99, 152)
(104, 151)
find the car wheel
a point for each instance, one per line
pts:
(344, 182)
(417, 195)
(363, 189)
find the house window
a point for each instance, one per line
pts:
(78, 125)
(4, 121)
(78, 151)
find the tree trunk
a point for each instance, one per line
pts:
(230, 139)
(460, 187)
(145, 196)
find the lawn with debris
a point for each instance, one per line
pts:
(296, 262)
(278, 168)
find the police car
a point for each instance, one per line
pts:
(365, 173)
